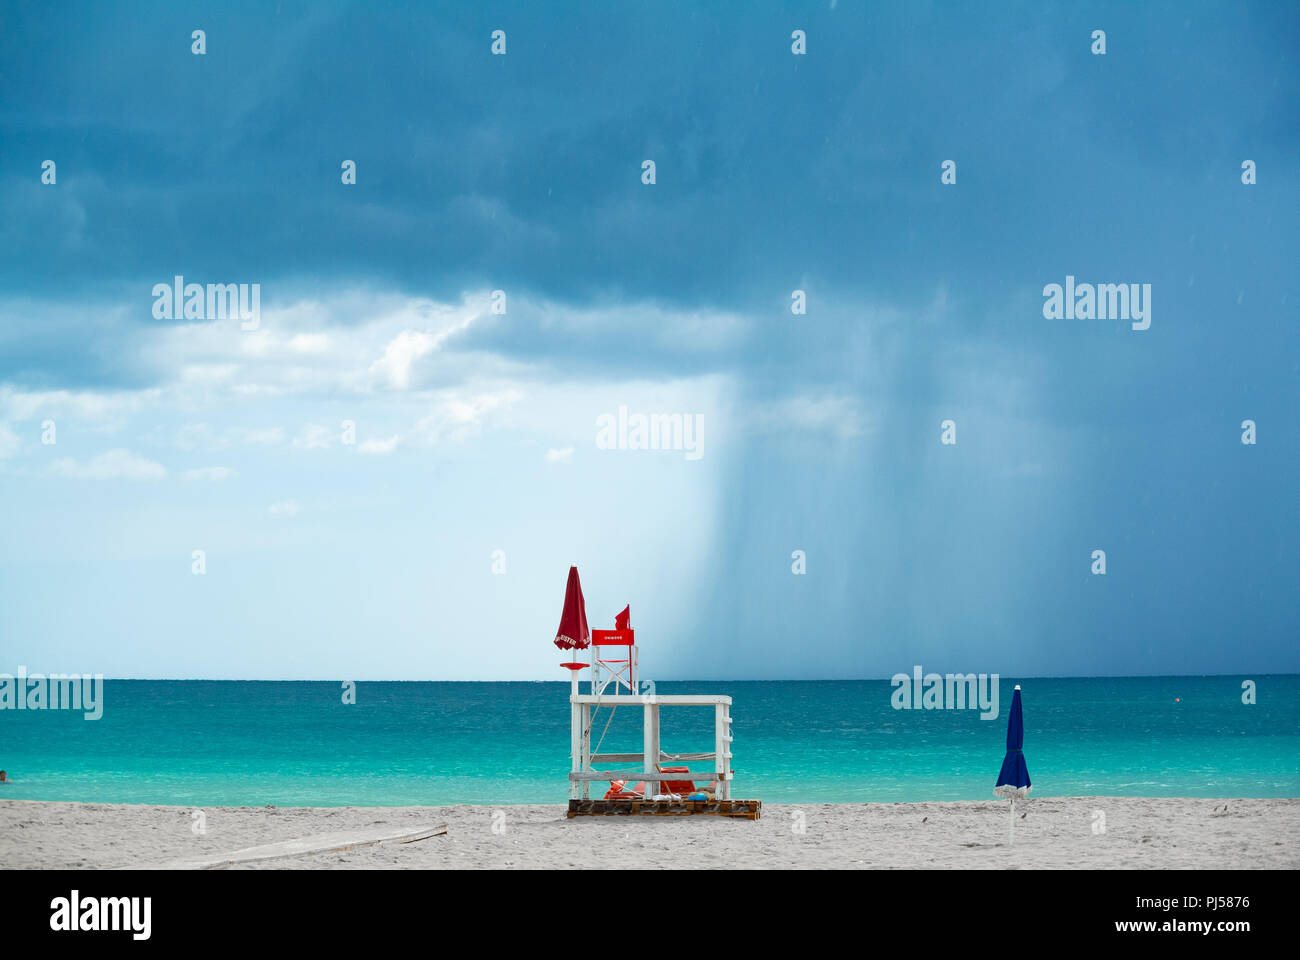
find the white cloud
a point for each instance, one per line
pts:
(402, 351)
(324, 357)
(356, 341)
(268, 436)
(457, 414)
(314, 437)
(284, 508)
(113, 465)
(108, 410)
(562, 455)
(9, 442)
(215, 474)
(379, 446)
(309, 343)
(627, 327)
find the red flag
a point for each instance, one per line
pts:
(621, 621)
(573, 633)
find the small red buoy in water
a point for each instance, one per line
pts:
(1178, 699)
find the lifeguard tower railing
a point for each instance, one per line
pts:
(645, 765)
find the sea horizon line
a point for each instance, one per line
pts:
(564, 681)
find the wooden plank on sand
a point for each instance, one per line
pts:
(307, 846)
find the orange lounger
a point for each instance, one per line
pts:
(683, 787)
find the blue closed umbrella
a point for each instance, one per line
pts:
(1013, 781)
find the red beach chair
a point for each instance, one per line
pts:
(683, 787)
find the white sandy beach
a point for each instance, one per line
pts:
(1054, 833)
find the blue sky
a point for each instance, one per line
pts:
(476, 432)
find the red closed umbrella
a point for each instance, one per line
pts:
(573, 633)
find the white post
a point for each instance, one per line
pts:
(575, 747)
(726, 745)
(1013, 821)
(657, 745)
(585, 766)
(650, 744)
(719, 750)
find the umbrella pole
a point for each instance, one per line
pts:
(1013, 821)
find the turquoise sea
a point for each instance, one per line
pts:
(212, 743)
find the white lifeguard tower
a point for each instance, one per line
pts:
(666, 785)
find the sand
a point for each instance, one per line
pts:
(1054, 833)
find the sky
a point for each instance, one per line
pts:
(821, 528)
